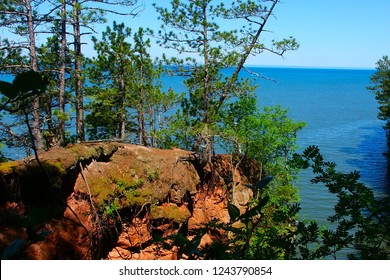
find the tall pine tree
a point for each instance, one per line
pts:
(197, 31)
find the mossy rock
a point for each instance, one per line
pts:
(27, 180)
(170, 211)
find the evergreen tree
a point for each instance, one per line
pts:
(109, 75)
(84, 15)
(149, 101)
(126, 94)
(58, 94)
(196, 28)
(381, 89)
(23, 18)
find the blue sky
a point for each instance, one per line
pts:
(331, 33)
(338, 33)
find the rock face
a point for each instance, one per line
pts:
(114, 201)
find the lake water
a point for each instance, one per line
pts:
(341, 118)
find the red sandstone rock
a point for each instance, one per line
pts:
(137, 194)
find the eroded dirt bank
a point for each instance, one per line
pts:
(114, 201)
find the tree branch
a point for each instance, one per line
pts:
(244, 57)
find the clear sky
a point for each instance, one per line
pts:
(338, 33)
(331, 33)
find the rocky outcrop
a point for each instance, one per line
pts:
(114, 201)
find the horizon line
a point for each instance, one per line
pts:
(313, 67)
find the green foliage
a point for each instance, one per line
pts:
(196, 28)
(170, 212)
(238, 232)
(267, 136)
(361, 219)
(265, 230)
(109, 75)
(152, 175)
(381, 88)
(24, 85)
(125, 92)
(11, 55)
(111, 209)
(20, 95)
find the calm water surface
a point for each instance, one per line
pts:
(341, 118)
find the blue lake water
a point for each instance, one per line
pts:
(341, 118)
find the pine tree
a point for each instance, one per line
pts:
(196, 29)
(126, 94)
(23, 19)
(381, 88)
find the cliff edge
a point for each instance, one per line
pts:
(114, 201)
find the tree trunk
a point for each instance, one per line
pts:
(80, 134)
(141, 126)
(122, 92)
(141, 117)
(61, 96)
(205, 137)
(50, 138)
(33, 62)
(244, 56)
(152, 127)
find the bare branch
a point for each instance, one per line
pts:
(258, 75)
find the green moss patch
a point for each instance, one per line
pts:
(170, 211)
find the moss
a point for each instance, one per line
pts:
(89, 151)
(101, 189)
(83, 152)
(152, 174)
(117, 177)
(58, 160)
(170, 211)
(137, 183)
(136, 197)
(9, 167)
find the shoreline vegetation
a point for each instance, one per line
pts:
(67, 184)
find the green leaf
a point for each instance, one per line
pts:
(264, 201)
(234, 212)
(261, 184)
(300, 162)
(251, 213)
(8, 89)
(255, 210)
(311, 152)
(29, 81)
